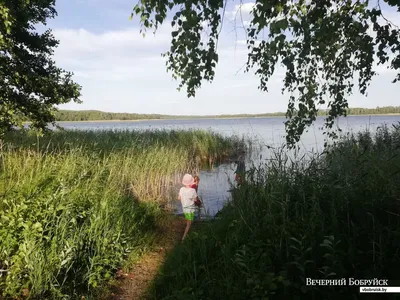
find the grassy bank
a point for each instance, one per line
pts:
(76, 204)
(335, 217)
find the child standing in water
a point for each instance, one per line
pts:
(188, 196)
(240, 169)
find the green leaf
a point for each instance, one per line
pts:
(281, 25)
(43, 86)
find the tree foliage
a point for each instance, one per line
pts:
(325, 46)
(30, 82)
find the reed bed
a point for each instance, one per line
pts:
(76, 204)
(333, 217)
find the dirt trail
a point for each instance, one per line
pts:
(134, 284)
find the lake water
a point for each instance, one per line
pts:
(265, 132)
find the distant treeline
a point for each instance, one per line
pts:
(95, 115)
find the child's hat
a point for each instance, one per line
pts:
(187, 179)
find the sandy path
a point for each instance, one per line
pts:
(134, 284)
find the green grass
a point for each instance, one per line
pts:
(76, 204)
(336, 216)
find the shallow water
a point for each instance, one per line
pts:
(213, 190)
(264, 132)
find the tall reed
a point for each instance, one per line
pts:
(75, 204)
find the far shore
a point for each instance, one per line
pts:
(210, 118)
(205, 118)
(175, 119)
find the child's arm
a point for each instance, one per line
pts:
(196, 197)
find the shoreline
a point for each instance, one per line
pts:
(207, 118)
(210, 118)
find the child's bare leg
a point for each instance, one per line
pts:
(188, 224)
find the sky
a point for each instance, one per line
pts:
(120, 71)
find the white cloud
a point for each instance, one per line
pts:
(121, 71)
(112, 55)
(245, 8)
(241, 42)
(84, 42)
(241, 11)
(244, 42)
(246, 23)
